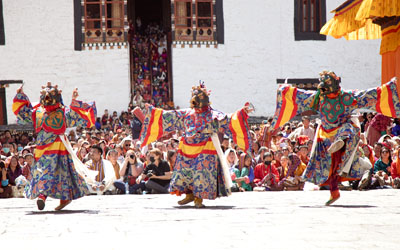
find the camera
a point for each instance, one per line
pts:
(150, 173)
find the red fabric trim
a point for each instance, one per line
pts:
(277, 125)
(207, 152)
(295, 107)
(89, 119)
(390, 97)
(46, 145)
(243, 127)
(160, 126)
(391, 31)
(378, 103)
(348, 8)
(23, 104)
(148, 132)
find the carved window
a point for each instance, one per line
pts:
(104, 23)
(309, 17)
(197, 22)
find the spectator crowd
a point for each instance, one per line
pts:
(276, 163)
(149, 65)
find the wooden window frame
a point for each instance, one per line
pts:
(302, 26)
(104, 35)
(2, 31)
(113, 34)
(184, 33)
(211, 35)
(204, 36)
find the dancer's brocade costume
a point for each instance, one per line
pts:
(337, 132)
(53, 174)
(197, 171)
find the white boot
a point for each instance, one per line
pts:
(336, 145)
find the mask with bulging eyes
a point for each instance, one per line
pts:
(200, 97)
(50, 95)
(328, 82)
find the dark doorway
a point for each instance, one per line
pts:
(150, 51)
(3, 111)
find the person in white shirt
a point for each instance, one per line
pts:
(106, 175)
(303, 130)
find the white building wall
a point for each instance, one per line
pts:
(259, 48)
(40, 48)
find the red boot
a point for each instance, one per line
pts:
(63, 203)
(41, 201)
(335, 195)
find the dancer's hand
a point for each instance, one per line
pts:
(102, 187)
(248, 107)
(20, 90)
(1, 190)
(75, 94)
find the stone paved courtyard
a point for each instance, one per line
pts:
(253, 220)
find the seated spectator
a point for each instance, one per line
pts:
(26, 169)
(293, 180)
(303, 154)
(5, 188)
(106, 175)
(231, 158)
(241, 172)
(266, 174)
(131, 169)
(158, 173)
(112, 156)
(395, 170)
(381, 170)
(14, 169)
(171, 158)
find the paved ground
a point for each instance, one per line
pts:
(268, 220)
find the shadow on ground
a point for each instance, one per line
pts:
(206, 207)
(340, 206)
(63, 212)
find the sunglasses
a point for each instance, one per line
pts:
(385, 152)
(132, 156)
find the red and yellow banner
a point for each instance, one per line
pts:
(384, 102)
(55, 148)
(154, 128)
(239, 128)
(86, 114)
(193, 150)
(289, 106)
(18, 105)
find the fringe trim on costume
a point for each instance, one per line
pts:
(224, 164)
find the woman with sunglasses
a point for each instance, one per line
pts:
(382, 168)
